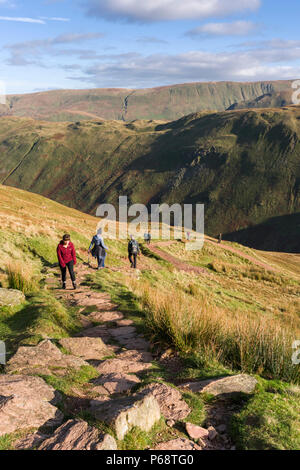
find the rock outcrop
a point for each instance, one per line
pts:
(27, 402)
(78, 435)
(241, 383)
(141, 411)
(11, 297)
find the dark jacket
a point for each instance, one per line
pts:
(130, 247)
(65, 254)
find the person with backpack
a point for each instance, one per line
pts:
(66, 255)
(98, 249)
(133, 251)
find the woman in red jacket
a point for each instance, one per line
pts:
(67, 259)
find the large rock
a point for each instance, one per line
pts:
(171, 403)
(178, 444)
(107, 384)
(123, 414)
(78, 435)
(241, 383)
(87, 348)
(196, 432)
(45, 358)
(27, 402)
(11, 297)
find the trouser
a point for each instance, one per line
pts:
(132, 259)
(70, 267)
(101, 260)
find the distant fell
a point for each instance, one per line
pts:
(166, 103)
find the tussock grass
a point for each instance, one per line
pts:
(199, 329)
(21, 277)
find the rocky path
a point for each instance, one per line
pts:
(118, 397)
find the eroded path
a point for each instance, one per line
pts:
(122, 395)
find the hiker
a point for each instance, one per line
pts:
(149, 238)
(133, 251)
(98, 249)
(146, 237)
(220, 238)
(67, 259)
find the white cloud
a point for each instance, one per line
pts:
(236, 28)
(160, 10)
(194, 66)
(54, 18)
(21, 19)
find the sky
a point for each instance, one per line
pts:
(78, 44)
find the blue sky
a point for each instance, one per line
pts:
(51, 44)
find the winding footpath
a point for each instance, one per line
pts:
(119, 398)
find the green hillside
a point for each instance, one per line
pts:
(168, 103)
(243, 165)
(205, 314)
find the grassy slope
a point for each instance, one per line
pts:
(243, 165)
(234, 291)
(169, 102)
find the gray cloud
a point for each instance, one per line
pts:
(32, 52)
(166, 10)
(161, 69)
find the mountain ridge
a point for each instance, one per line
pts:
(164, 102)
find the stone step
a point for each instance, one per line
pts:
(115, 382)
(44, 359)
(87, 348)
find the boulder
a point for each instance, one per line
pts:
(87, 348)
(171, 403)
(108, 384)
(196, 432)
(11, 297)
(78, 435)
(178, 444)
(139, 410)
(45, 358)
(241, 383)
(27, 402)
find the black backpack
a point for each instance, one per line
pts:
(134, 247)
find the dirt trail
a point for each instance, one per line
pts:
(186, 267)
(243, 255)
(180, 265)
